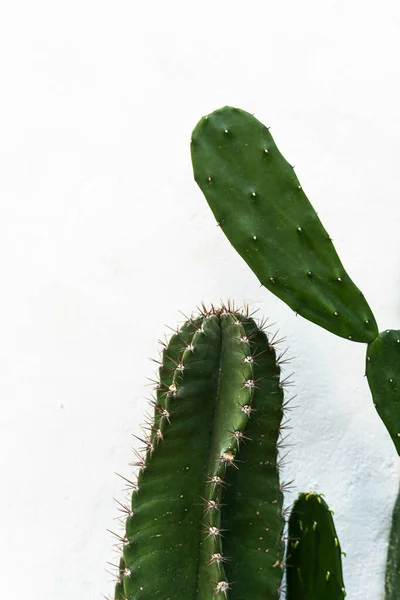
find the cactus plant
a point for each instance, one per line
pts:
(314, 559)
(207, 508)
(261, 207)
(206, 511)
(392, 579)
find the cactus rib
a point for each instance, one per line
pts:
(262, 209)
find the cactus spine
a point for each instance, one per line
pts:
(314, 556)
(206, 516)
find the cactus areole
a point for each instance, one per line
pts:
(205, 521)
(261, 207)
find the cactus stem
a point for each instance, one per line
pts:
(219, 482)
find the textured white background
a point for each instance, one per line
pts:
(104, 236)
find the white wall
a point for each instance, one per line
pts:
(104, 236)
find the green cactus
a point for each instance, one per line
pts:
(314, 562)
(262, 209)
(383, 373)
(206, 517)
(392, 579)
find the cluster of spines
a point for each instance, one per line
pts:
(171, 371)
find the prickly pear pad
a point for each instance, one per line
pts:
(262, 209)
(383, 374)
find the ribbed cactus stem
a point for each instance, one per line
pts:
(206, 520)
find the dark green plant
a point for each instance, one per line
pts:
(206, 516)
(314, 556)
(262, 209)
(208, 507)
(392, 578)
(261, 206)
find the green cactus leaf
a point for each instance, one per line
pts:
(262, 209)
(314, 563)
(383, 373)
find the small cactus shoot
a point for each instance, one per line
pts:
(314, 557)
(206, 519)
(261, 207)
(383, 373)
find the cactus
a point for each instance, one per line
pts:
(392, 579)
(383, 373)
(314, 564)
(206, 518)
(262, 209)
